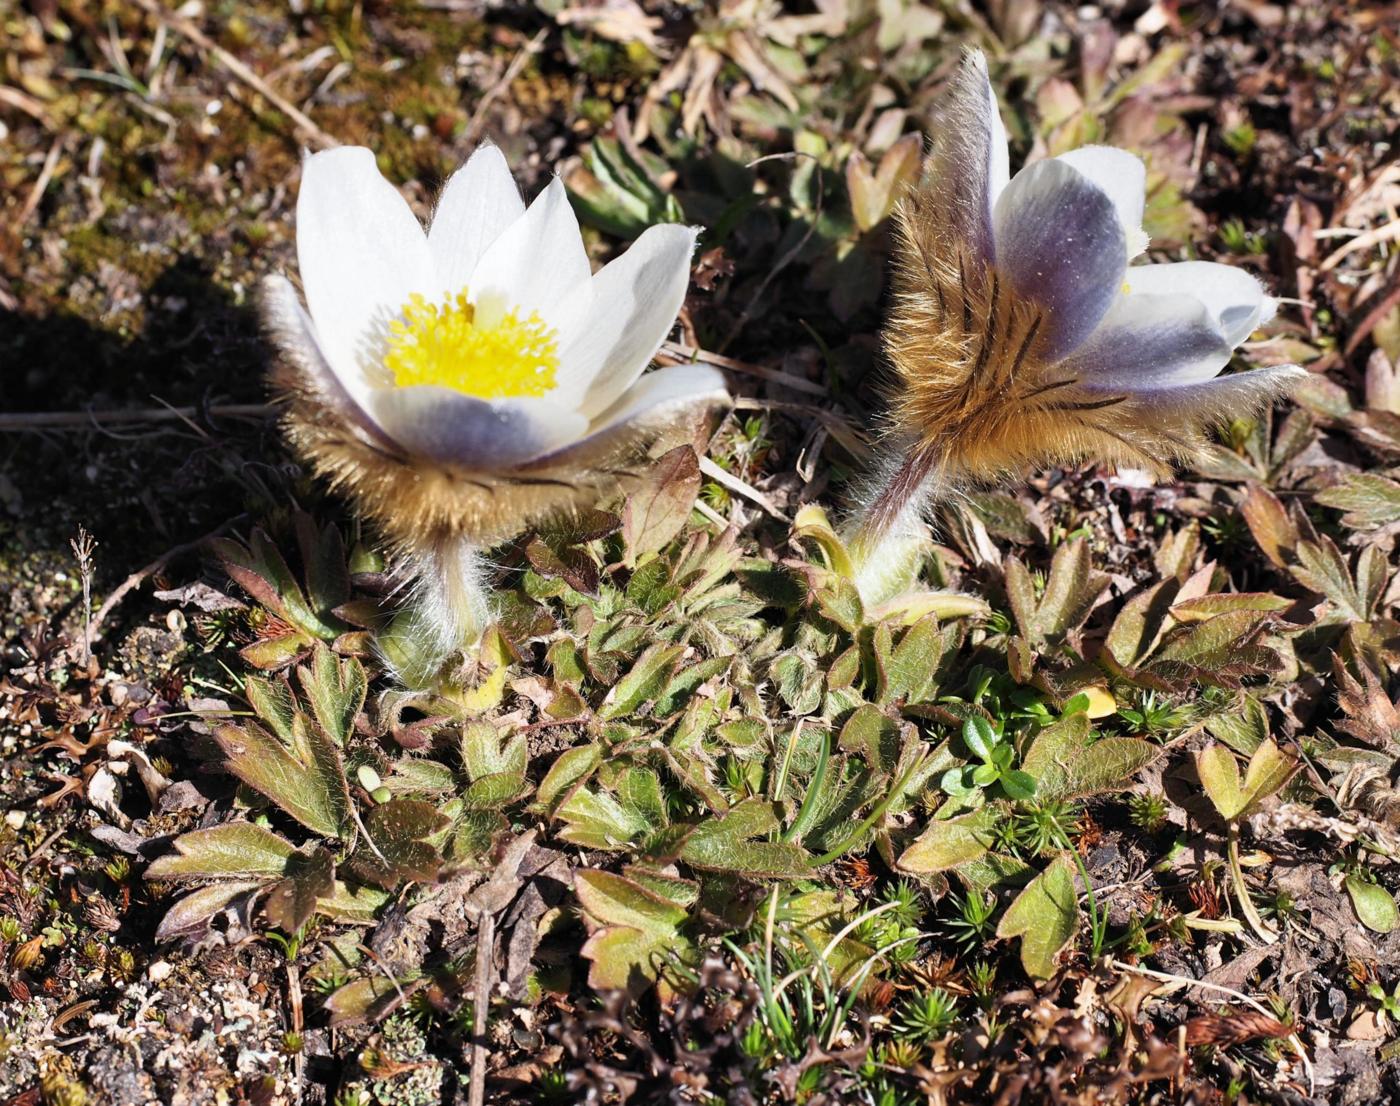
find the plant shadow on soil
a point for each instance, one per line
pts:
(143, 488)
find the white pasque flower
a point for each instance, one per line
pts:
(1022, 335)
(465, 381)
(486, 342)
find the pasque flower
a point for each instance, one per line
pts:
(1021, 335)
(464, 382)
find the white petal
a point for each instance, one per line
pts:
(295, 334)
(653, 403)
(1059, 241)
(1234, 298)
(1151, 341)
(537, 260)
(619, 319)
(444, 425)
(479, 202)
(361, 253)
(998, 151)
(1123, 178)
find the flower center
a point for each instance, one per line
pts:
(473, 349)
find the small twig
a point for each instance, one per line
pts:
(45, 175)
(485, 950)
(83, 546)
(294, 1004)
(94, 625)
(1187, 981)
(788, 258)
(182, 26)
(740, 487)
(492, 94)
(689, 353)
(86, 420)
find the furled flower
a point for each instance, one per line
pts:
(1021, 336)
(465, 382)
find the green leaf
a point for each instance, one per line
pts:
(640, 792)
(572, 767)
(1269, 771)
(1370, 501)
(979, 736)
(839, 601)
(726, 844)
(400, 854)
(1139, 623)
(495, 792)
(911, 674)
(1108, 764)
(483, 753)
(1054, 747)
(232, 849)
(1018, 785)
(1374, 905)
(659, 509)
(634, 931)
(948, 843)
(335, 689)
(799, 681)
(291, 902)
(873, 735)
(683, 684)
(274, 704)
(595, 820)
(1220, 776)
(645, 681)
(1045, 916)
(1322, 568)
(315, 794)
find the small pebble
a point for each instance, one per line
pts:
(159, 971)
(14, 819)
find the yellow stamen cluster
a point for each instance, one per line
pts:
(448, 345)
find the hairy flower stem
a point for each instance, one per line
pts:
(449, 607)
(884, 538)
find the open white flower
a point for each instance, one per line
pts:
(464, 381)
(1022, 336)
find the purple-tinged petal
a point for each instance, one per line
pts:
(655, 402)
(1150, 342)
(1221, 399)
(440, 424)
(1060, 242)
(1123, 178)
(970, 160)
(1235, 300)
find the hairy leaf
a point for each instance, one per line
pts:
(315, 794)
(336, 689)
(232, 849)
(946, 844)
(190, 917)
(634, 931)
(656, 512)
(1045, 916)
(645, 681)
(291, 902)
(1371, 501)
